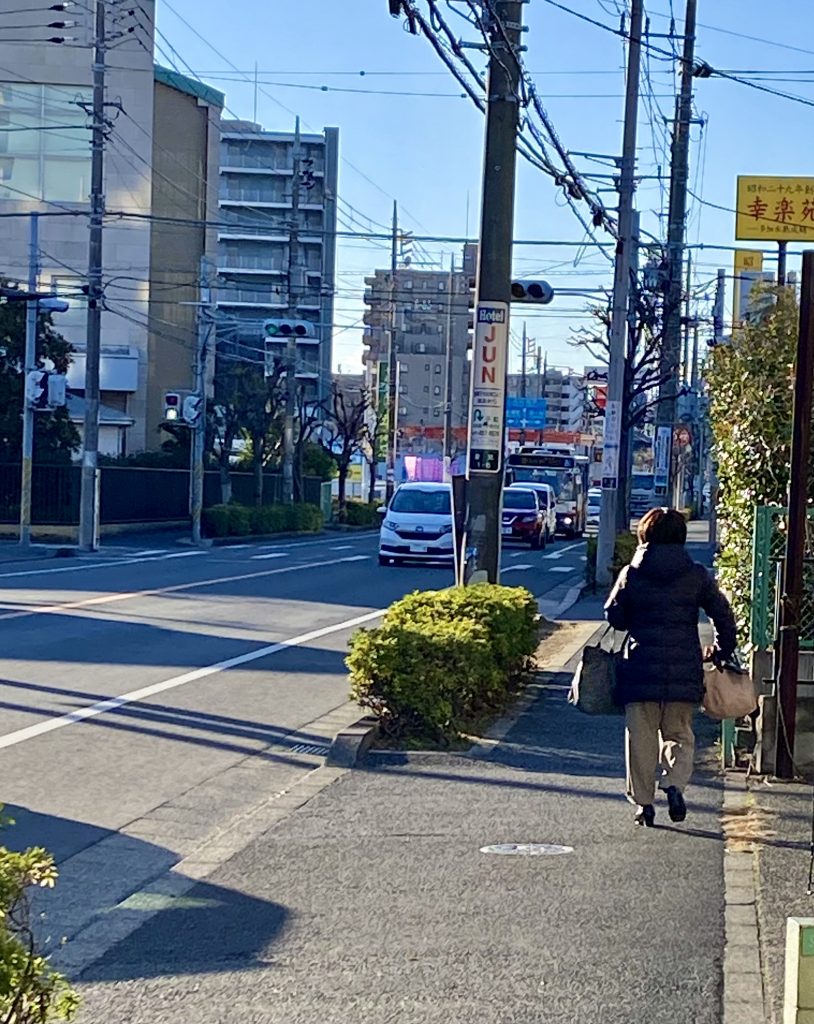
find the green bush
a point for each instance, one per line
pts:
(216, 521)
(30, 991)
(623, 552)
(303, 518)
(441, 660)
(360, 513)
(239, 520)
(268, 519)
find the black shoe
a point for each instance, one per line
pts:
(677, 807)
(646, 815)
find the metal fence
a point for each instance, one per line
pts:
(130, 494)
(768, 556)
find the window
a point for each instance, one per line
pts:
(76, 317)
(442, 287)
(427, 366)
(426, 389)
(402, 389)
(437, 389)
(403, 367)
(436, 412)
(52, 164)
(437, 367)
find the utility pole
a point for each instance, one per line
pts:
(487, 408)
(450, 365)
(29, 364)
(294, 276)
(392, 389)
(206, 323)
(782, 249)
(627, 242)
(687, 320)
(794, 565)
(627, 430)
(89, 499)
(523, 364)
(679, 179)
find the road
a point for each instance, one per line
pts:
(150, 696)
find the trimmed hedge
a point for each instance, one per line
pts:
(234, 520)
(360, 513)
(442, 660)
(623, 551)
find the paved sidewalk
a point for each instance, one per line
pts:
(374, 901)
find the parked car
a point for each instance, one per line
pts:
(594, 509)
(548, 503)
(417, 525)
(522, 517)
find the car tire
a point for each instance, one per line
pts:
(536, 542)
(384, 560)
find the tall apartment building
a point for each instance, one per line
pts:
(258, 279)
(431, 341)
(157, 157)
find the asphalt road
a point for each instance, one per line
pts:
(150, 695)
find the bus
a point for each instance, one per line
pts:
(566, 472)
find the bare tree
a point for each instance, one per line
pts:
(308, 416)
(376, 424)
(346, 431)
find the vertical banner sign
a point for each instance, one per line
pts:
(488, 387)
(610, 446)
(748, 266)
(664, 437)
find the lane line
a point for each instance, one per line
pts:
(272, 554)
(30, 610)
(40, 728)
(186, 554)
(564, 568)
(563, 551)
(517, 568)
(342, 547)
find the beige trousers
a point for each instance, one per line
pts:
(658, 734)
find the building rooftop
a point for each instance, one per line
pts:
(191, 86)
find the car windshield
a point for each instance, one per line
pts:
(594, 500)
(519, 499)
(413, 499)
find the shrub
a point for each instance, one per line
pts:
(360, 513)
(303, 518)
(30, 991)
(441, 659)
(239, 520)
(623, 551)
(216, 521)
(425, 679)
(268, 519)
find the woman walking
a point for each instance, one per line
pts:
(656, 600)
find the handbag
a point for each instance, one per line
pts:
(593, 687)
(728, 692)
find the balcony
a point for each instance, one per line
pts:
(262, 196)
(230, 264)
(265, 299)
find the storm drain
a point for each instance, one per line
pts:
(527, 849)
(310, 748)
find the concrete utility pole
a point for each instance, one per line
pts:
(679, 178)
(487, 408)
(392, 388)
(206, 323)
(614, 411)
(788, 646)
(29, 364)
(89, 499)
(449, 438)
(782, 250)
(294, 279)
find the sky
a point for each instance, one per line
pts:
(407, 135)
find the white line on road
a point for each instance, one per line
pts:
(186, 554)
(28, 610)
(272, 554)
(562, 551)
(517, 554)
(149, 551)
(40, 728)
(517, 568)
(342, 547)
(564, 568)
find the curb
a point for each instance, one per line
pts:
(743, 992)
(349, 746)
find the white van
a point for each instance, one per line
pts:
(417, 525)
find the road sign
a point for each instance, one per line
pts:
(662, 458)
(610, 446)
(488, 387)
(527, 413)
(774, 209)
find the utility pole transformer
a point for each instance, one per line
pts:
(614, 411)
(487, 412)
(89, 499)
(679, 179)
(294, 275)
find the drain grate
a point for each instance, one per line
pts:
(310, 748)
(527, 849)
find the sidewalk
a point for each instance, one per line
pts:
(374, 902)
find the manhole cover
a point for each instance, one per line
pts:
(527, 849)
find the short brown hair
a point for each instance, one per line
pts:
(662, 526)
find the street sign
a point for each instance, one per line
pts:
(774, 209)
(661, 475)
(488, 387)
(610, 446)
(527, 413)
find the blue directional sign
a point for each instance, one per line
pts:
(528, 413)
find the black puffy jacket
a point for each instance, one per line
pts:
(657, 599)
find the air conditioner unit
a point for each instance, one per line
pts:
(402, 410)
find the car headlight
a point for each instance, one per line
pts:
(388, 524)
(446, 529)
(568, 520)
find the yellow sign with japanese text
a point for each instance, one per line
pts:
(748, 260)
(774, 209)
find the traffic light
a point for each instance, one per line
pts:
(36, 389)
(283, 329)
(193, 406)
(532, 291)
(57, 390)
(172, 406)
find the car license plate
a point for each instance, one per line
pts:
(418, 549)
(507, 531)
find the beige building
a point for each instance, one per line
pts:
(156, 120)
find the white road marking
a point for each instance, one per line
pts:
(563, 568)
(28, 610)
(562, 551)
(40, 728)
(186, 554)
(149, 551)
(517, 568)
(272, 554)
(517, 554)
(342, 547)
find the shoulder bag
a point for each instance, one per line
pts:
(728, 692)
(594, 684)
